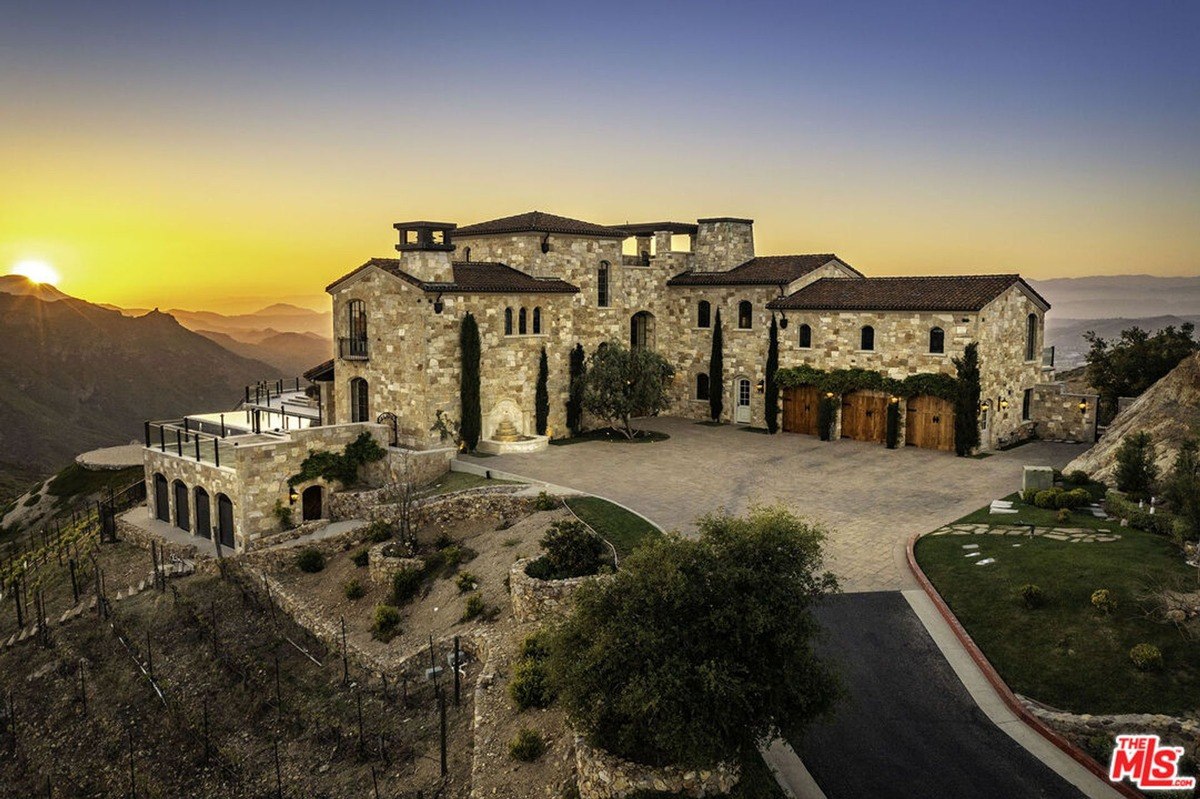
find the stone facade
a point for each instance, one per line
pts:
(604, 776)
(534, 599)
(1062, 415)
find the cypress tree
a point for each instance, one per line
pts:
(541, 396)
(772, 388)
(716, 372)
(966, 403)
(471, 426)
(578, 369)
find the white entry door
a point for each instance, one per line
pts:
(741, 413)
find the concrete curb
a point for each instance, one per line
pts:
(1001, 688)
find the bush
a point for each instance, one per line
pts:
(474, 608)
(1029, 495)
(572, 550)
(378, 532)
(1136, 467)
(1078, 477)
(527, 745)
(545, 502)
(1146, 657)
(535, 647)
(530, 685)
(1063, 516)
(386, 625)
(446, 559)
(1104, 601)
(1076, 498)
(405, 585)
(353, 589)
(1048, 498)
(1032, 596)
(466, 582)
(361, 558)
(310, 560)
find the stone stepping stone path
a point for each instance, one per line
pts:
(1074, 535)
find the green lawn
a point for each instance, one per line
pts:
(623, 529)
(1039, 517)
(1066, 653)
(458, 481)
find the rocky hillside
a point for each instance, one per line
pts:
(1169, 411)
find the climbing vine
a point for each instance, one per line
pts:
(340, 466)
(845, 381)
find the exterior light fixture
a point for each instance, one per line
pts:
(895, 400)
(293, 496)
(783, 321)
(1003, 404)
(438, 305)
(829, 394)
(1083, 406)
(760, 386)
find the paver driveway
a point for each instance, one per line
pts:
(872, 499)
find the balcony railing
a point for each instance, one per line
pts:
(180, 438)
(352, 349)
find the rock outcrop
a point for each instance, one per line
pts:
(1169, 411)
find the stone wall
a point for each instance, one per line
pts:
(1059, 417)
(604, 776)
(534, 599)
(1004, 372)
(375, 505)
(723, 243)
(382, 568)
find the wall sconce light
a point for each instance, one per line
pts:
(760, 386)
(829, 395)
(1003, 404)
(983, 406)
(783, 321)
(1083, 406)
(293, 496)
(895, 400)
(438, 305)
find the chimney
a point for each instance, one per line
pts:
(425, 249)
(722, 243)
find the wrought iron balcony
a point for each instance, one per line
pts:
(353, 349)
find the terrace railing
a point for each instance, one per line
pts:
(179, 437)
(353, 349)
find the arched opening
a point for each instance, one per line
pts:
(521, 322)
(508, 327)
(702, 386)
(602, 285)
(537, 320)
(356, 328)
(1031, 332)
(741, 409)
(311, 503)
(203, 513)
(162, 500)
(183, 514)
(467, 254)
(937, 341)
(805, 337)
(866, 341)
(641, 330)
(225, 520)
(745, 315)
(703, 314)
(359, 406)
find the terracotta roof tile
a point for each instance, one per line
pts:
(940, 293)
(472, 276)
(766, 270)
(539, 222)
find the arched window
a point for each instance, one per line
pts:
(702, 386)
(867, 339)
(508, 321)
(745, 315)
(937, 340)
(805, 337)
(602, 285)
(359, 409)
(703, 314)
(521, 326)
(467, 254)
(356, 328)
(537, 320)
(1031, 332)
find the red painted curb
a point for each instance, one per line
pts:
(1006, 694)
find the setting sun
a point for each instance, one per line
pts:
(37, 271)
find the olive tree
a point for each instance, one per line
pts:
(623, 383)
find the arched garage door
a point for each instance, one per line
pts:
(162, 502)
(930, 423)
(864, 416)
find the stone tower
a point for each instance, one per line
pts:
(425, 249)
(723, 243)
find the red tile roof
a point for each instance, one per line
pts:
(940, 293)
(764, 270)
(472, 276)
(539, 222)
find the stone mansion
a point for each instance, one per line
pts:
(536, 280)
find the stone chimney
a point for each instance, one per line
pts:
(425, 249)
(723, 243)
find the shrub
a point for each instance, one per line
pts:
(1029, 495)
(310, 560)
(353, 589)
(1078, 477)
(378, 532)
(361, 558)
(1032, 596)
(527, 745)
(535, 647)
(1104, 601)
(1063, 516)
(1136, 467)
(1146, 657)
(530, 685)
(1078, 498)
(386, 625)
(474, 608)
(571, 550)
(1048, 498)
(545, 502)
(466, 582)
(283, 515)
(446, 559)
(405, 585)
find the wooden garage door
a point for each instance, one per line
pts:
(801, 410)
(864, 416)
(930, 423)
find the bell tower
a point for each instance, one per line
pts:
(425, 249)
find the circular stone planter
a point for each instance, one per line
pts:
(534, 599)
(382, 568)
(603, 775)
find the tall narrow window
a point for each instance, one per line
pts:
(1027, 405)
(805, 337)
(359, 410)
(602, 285)
(1031, 331)
(937, 341)
(702, 386)
(508, 321)
(537, 320)
(745, 315)
(703, 314)
(867, 339)
(356, 328)
(521, 326)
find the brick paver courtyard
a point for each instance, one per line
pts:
(872, 499)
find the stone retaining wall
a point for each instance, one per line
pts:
(1176, 731)
(382, 568)
(605, 776)
(534, 599)
(135, 535)
(488, 501)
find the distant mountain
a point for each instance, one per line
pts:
(75, 376)
(21, 286)
(1070, 347)
(1120, 295)
(291, 354)
(281, 317)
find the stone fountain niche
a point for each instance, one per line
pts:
(506, 428)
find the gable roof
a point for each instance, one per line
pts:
(937, 293)
(763, 270)
(471, 276)
(540, 222)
